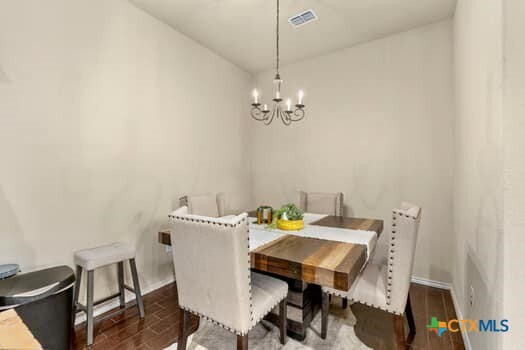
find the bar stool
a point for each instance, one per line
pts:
(90, 259)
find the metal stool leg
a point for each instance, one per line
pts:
(89, 313)
(121, 289)
(136, 287)
(75, 295)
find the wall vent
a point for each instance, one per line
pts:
(302, 18)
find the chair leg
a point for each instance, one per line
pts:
(410, 319)
(399, 329)
(183, 329)
(121, 289)
(324, 314)
(136, 286)
(76, 292)
(283, 305)
(89, 307)
(345, 303)
(242, 342)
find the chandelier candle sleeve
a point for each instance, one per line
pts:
(287, 115)
(277, 86)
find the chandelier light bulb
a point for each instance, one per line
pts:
(286, 114)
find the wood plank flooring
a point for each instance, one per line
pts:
(375, 328)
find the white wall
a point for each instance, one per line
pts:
(514, 160)
(378, 128)
(107, 116)
(478, 185)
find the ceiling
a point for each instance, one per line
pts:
(243, 31)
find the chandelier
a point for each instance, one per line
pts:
(287, 115)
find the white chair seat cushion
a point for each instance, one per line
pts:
(369, 288)
(90, 259)
(267, 292)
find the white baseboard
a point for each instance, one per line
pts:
(447, 286)
(111, 304)
(431, 283)
(104, 307)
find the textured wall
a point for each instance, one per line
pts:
(478, 175)
(107, 116)
(378, 128)
(514, 150)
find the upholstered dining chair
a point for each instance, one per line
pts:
(214, 280)
(386, 286)
(321, 203)
(212, 205)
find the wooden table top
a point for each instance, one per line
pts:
(312, 260)
(330, 221)
(351, 223)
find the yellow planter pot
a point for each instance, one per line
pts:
(290, 225)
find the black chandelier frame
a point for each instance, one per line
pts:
(287, 116)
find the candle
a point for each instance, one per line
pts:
(277, 94)
(265, 107)
(300, 95)
(255, 95)
(289, 104)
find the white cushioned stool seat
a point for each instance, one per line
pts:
(93, 258)
(267, 292)
(89, 260)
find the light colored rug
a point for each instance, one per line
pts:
(265, 335)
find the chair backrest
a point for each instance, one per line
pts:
(212, 267)
(401, 250)
(321, 203)
(212, 205)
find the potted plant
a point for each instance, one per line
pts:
(289, 217)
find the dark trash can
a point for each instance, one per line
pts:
(43, 300)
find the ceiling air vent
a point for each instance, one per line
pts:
(303, 18)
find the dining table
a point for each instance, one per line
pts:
(329, 251)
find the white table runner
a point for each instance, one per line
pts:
(260, 234)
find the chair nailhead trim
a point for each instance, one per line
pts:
(352, 300)
(244, 219)
(215, 322)
(249, 273)
(182, 218)
(390, 272)
(267, 311)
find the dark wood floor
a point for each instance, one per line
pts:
(159, 328)
(375, 327)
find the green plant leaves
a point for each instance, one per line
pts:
(291, 210)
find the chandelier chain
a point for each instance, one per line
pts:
(277, 41)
